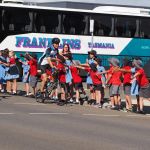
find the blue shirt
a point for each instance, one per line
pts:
(88, 79)
(50, 52)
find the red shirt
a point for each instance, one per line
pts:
(110, 72)
(62, 72)
(95, 76)
(75, 75)
(127, 75)
(33, 67)
(142, 79)
(115, 79)
(12, 61)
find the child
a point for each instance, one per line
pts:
(114, 77)
(91, 57)
(144, 90)
(25, 78)
(62, 78)
(4, 63)
(77, 82)
(13, 74)
(33, 71)
(100, 69)
(127, 84)
(97, 82)
(2, 72)
(69, 84)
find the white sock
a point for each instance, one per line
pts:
(77, 100)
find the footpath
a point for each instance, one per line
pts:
(134, 101)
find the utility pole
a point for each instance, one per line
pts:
(92, 31)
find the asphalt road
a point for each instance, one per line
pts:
(28, 125)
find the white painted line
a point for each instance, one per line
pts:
(48, 113)
(29, 104)
(101, 115)
(7, 113)
(138, 116)
(132, 115)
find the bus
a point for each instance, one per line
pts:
(117, 31)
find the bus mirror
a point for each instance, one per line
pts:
(91, 26)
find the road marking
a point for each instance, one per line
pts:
(7, 113)
(48, 113)
(138, 115)
(101, 115)
(28, 104)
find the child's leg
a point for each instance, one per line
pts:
(92, 92)
(98, 97)
(8, 86)
(0, 86)
(116, 99)
(128, 102)
(14, 86)
(63, 94)
(27, 88)
(138, 102)
(141, 102)
(77, 95)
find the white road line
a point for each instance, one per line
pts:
(48, 113)
(28, 104)
(133, 116)
(7, 113)
(101, 115)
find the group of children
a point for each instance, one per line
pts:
(131, 76)
(10, 72)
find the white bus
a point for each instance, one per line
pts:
(119, 31)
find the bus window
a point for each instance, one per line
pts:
(125, 27)
(74, 24)
(47, 21)
(1, 19)
(103, 25)
(144, 28)
(16, 19)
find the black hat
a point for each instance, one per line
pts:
(92, 52)
(34, 55)
(93, 66)
(98, 60)
(127, 61)
(55, 41)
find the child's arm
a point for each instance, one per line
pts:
(84, 65)
(123, 70)
(80, 67)
(135, 75)
(108, 78)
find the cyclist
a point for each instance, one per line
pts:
(45, 61)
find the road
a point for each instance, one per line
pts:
(28, 125)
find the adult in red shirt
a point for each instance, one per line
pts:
(144, 90)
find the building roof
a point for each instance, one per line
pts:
(145, 3)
